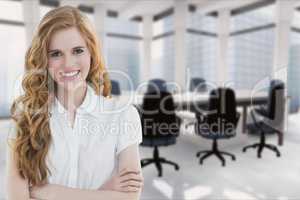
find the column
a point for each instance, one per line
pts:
(180, 17)
(283, 19)
(223, 28)
(31, 12)
(100, 12)
(145, 71)
(284, 14)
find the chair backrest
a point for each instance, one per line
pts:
(157, 85)
(275, 98)
(115, 88)
(158, 115)
(222, 110)
(198, 85)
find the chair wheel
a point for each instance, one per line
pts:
(198, 154)
(176, 167)
(233, 158)
(278, 155)
(244, 150)
(259, 156)
(223, 164)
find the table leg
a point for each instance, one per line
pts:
(280, 138)
(244, 119)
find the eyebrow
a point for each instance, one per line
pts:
(77, 47)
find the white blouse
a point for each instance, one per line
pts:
(85, 156)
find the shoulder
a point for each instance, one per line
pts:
(130, 113)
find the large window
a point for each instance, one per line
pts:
(201, 47)
(12, 40)
(163, 49)
(255, 18)
(123, 52)
(251, 51)
(11, 10)
(294, 63)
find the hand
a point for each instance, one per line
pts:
(42, 192)
(126, 181)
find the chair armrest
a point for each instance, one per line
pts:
(262, 111)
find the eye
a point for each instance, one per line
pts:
(78, 51)
(55, 54)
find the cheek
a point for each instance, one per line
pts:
(85, 65)
(54, 67)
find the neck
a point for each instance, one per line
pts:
(71, 98)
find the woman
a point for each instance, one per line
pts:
(65, 144)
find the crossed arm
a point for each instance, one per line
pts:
(126, 184)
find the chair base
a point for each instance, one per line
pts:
(215, 151)
(261, 145)
(158, 161)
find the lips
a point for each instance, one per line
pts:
(69, 75)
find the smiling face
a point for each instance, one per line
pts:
(69, 59)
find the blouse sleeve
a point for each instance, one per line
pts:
(130, 129)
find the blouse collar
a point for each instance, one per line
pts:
(90, 104)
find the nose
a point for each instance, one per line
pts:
(70, 60)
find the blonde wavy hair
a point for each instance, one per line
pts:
(30, 111)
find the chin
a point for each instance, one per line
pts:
(72, 86)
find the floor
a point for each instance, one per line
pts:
(246, 178)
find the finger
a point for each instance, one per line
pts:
(129, 189)
(128, 171)
(131, 186)
(132, 183)
(128, 177)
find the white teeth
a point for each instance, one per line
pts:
(69, 74)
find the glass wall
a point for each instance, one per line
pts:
(201, 47)
(163, 51)
(294, 63)
(12, 40)
(251, 47)
(124, 52)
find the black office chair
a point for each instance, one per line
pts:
(219, 122)
(160, 126)
(198, 85)
(272, 115)
(115, 88)
(156, 85)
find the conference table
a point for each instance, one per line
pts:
(193, 101)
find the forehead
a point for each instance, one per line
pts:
(66, 39)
